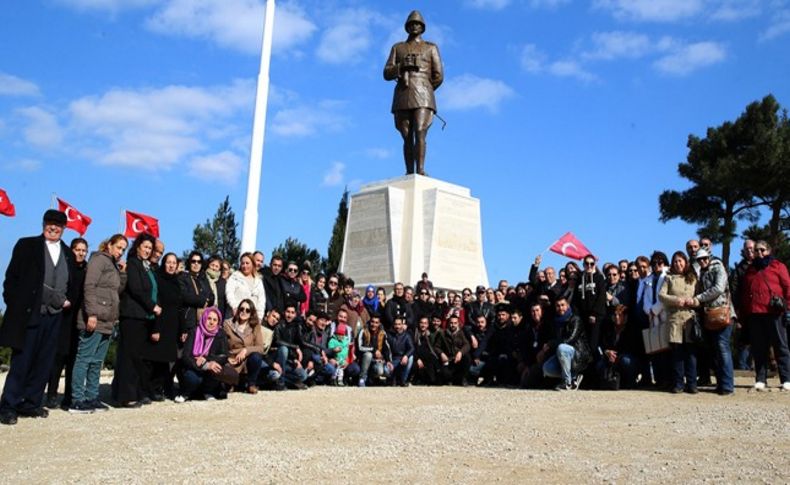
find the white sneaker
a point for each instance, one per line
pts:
(759, 386)
(786, 386)
(577, 382)
(180, 399)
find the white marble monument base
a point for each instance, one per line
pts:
(399, 228)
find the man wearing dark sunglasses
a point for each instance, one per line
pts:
(291, 289)
(590, 300)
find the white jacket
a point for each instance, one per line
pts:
(239, 287)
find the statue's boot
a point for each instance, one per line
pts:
(420, 149)
(408, 158)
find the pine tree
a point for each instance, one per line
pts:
(335, 250)
(219, 235)
(293, 250)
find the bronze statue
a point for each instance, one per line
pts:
(417, 67)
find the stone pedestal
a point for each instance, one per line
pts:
(400, 227)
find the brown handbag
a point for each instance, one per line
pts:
(719, 317)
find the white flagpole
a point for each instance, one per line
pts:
(250, 228)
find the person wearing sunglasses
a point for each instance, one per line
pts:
(245, 344)
(765, 293)
(590, 300)
(713, 292)
(290, 287)
(195, 290)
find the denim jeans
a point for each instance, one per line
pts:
(401, 371)
(195, 382)
(722, 357)
(476, 369)
(560, 364)
(684, 364)
(91, 351)
(254, 363)
(291, 374)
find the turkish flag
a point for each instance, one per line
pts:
(570, 246)
(74, 219)
(137, 224)
(6, 207)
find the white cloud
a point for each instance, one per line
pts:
(735, 10)
(488, 4)
(379, 153)
(42, 128)
(570, 68)
(11, 85)
(224, 167)
(615, 45)
(155, 129)
(334, 176)
(548, 3)
(468, 91)
(112, 6)
(343, 44)
(691, 57)
(305, 120)
(23, 165)
(780, 26)
(532, 59)
(235, 24)
(651, 10)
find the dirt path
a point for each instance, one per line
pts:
(414, 435)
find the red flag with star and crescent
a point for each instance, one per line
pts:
(75, 219)
(6, 207)
(137, 224)
(570, 246)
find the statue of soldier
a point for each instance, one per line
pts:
(417, 67)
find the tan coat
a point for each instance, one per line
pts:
(252, 340)
(674, 289)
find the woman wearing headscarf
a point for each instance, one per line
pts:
(371, 300)
(244, 284)
(166, 331)
(138, 310)
(205, 354)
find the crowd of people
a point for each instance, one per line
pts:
(198, 329)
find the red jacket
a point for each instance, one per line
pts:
(759, 286)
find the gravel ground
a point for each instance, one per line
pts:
(414, 435)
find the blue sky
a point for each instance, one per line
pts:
(563, 115)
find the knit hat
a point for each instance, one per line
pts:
(701, 254)
(341, 329)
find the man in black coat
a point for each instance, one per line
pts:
(38, 286)
(271, 284)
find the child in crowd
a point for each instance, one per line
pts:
(339, 344)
